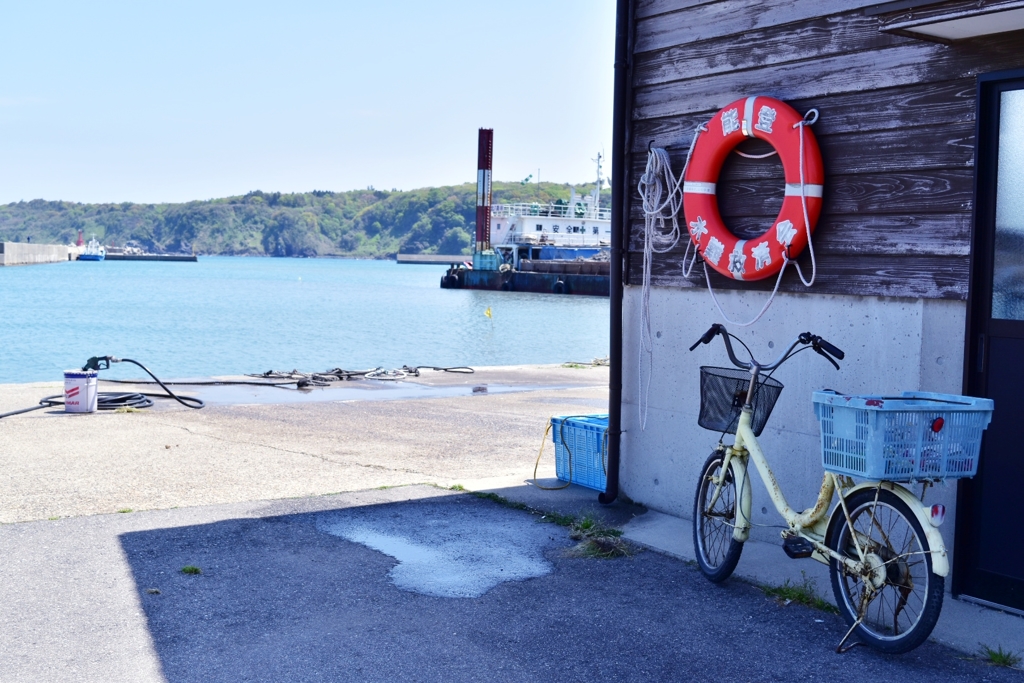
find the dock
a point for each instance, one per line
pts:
(26, 253)
(189, 258)
(433, 259)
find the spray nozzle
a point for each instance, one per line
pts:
(100, 363)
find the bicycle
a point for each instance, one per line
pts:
(887, 561)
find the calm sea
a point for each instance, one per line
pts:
(228, 315)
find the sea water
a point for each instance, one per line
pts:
(236, 315)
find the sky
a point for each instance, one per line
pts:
(170, 102)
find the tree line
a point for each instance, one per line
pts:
(359, 223)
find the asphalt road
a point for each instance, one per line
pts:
(286, 595)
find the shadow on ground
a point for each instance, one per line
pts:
(290, 597)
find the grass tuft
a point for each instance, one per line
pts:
(804, 593)
(1000, 657)
(191, 569)
(125, 510)
(494, 497)
(595, 539)
(456, 487)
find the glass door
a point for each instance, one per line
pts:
(989, 561)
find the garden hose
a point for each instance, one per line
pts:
(108, 400)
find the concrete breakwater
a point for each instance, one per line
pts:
(25, 253)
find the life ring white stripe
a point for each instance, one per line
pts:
(793, 190)
(748, 117)
(737, 251)
(694, 187)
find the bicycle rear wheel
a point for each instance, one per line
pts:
(899, 596)
(716, 550)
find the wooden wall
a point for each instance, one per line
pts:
(896, 134)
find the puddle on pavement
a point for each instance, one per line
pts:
(450, 550)
(343, 391)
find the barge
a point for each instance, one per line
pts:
(558, 248)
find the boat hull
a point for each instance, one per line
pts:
(519, 281)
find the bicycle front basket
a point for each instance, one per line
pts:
(722, 393)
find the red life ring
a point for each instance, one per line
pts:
(776, 122)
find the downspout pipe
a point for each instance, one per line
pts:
(619, 208)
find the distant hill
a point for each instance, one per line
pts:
(360, 223)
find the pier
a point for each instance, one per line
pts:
(433, 259)
(26, 253)
(187, 258)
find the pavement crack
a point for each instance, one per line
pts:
(317, 456)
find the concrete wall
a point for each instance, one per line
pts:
(891, 345)
(25, 253)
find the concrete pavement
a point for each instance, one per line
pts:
(283, 597)
(350, 437)
(307, 586)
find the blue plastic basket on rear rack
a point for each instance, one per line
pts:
(581, 449)
(911, 437)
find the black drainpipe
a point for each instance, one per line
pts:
(619, 189)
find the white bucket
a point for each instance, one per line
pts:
(80, 391)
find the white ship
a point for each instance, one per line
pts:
(562, 230)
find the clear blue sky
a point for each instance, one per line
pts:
(148, 102)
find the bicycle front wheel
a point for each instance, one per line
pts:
(897, 595)
(713, 521)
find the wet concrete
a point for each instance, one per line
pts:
(358, 390)
(455, 552)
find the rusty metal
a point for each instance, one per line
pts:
(842, 650)
(812, 514)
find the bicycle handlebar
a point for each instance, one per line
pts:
(826, 350)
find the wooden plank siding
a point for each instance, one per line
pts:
(896, 133)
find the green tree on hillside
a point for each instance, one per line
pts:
(360, 223)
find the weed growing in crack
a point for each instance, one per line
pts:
(804, 593)
(1000, 657)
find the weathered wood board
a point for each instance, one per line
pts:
(896, 131)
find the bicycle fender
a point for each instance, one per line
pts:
(940, 559)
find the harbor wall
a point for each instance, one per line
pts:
(892, 345)
(26, 253)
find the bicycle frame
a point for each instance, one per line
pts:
(813, 523)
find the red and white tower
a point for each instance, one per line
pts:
(485, 147)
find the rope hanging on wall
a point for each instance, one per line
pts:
(808, 120)
(656, 180)
(662, 195)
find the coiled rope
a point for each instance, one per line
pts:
(656, 181)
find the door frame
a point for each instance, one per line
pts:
(979, 297)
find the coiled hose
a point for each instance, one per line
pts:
(109, 400)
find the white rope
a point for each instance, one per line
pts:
(808, 120)
(764, 308)
(659, 239)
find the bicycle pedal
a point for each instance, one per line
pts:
(797, 548)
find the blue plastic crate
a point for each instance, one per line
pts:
(581, 449)
(914, 436)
